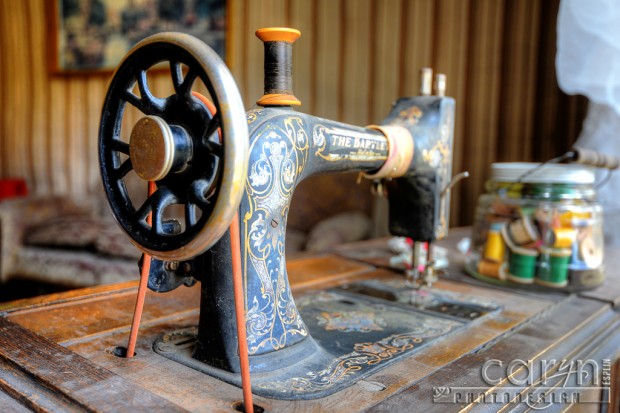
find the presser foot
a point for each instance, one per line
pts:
(355, 331)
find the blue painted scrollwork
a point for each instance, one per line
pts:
(279, 153)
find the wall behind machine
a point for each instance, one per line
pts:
(355, 57)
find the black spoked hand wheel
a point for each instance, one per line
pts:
(198, 160)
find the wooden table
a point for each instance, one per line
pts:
(57, 352)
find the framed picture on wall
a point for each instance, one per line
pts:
(94, 35)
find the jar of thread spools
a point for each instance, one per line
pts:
(540, 227)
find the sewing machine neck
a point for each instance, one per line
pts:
(285, 148)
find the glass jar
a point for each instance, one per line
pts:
(538, 227)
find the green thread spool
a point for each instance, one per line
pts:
(522, 265)
(553, 267)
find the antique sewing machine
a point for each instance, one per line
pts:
(338, 331)
(215, 160)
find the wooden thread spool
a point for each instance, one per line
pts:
(590, 253)
(523, 231)
(506, 238)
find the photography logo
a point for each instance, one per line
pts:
(539, 384)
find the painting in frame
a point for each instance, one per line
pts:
(94, 35)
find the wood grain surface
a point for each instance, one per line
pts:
(47, 377)
(79, 330)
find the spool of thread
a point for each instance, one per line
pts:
(553, 267)
(489, 268)
(503, 271)
(561, 238)
(522, 265)
(590, 253)
(576, 260)
(523, 231)
(568, 219)
(506, 238)
(494, 248)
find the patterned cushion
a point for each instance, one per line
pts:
(72, 231)
(82, 232)
(111, 240)
(73, 268)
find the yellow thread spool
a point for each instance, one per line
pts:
(567, 218)
(489, 268)
(563, 237)
(494, 249)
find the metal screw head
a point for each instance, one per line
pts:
(172, 265)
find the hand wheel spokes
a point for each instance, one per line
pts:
(170, 139)
(147, 103)
(176, 146)
(182, 84)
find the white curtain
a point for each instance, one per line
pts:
(588, 63)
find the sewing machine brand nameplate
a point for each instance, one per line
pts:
(357, 332)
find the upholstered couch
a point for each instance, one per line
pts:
(56, 240)
(60, 241)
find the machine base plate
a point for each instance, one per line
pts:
(358, 329)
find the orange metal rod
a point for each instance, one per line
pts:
(235, 249)
(144, 277)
